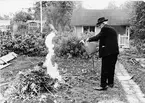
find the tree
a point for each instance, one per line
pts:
(138, 20)
(4, 17)
(112, 5)
(56, 12)
(22, 16)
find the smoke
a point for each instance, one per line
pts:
(49, 62)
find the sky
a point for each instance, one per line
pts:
(11, 6)
(100, 4)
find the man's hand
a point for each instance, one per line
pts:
(87, 39)
(83, 41)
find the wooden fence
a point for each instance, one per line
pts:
(123, 41)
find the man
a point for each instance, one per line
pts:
(108, 51)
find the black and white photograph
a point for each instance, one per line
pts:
(74, 51)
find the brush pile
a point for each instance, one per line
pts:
(31, 84)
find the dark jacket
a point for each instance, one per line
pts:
(108, 43)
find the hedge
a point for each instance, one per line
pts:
(66, 44)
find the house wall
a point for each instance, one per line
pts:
(120, 29)
(78, 31)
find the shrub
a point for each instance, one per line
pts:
(67, 45)
(27, 44)
(4, 39)
(33, 44)
(140, 45)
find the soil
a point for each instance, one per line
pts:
(134, 69)
(78, 73)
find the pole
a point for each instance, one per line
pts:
(93, 62)
(41, 14)
(119, 40)
(128, 36)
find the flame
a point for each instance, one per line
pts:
(49, 63)
(2, 98)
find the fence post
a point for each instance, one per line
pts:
(119, 40)
(128, 37)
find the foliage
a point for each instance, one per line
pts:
(140, 45)
(30, 85)
(138, 27)
(4, 38)
(56, 12)
(67, 45)
(28, 44)
(18, 22)
(5, 17)
(112, 5)
(22, 16)
(138, 20)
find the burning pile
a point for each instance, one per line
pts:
(32, 84)
(44, 78)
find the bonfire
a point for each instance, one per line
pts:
(44, 78)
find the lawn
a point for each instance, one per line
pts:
(81, 76)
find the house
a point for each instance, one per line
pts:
(84, 21)
(34, 24)
(4, 25)
(31, 25)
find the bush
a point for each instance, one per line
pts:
(33, 44)
(67, 45)
(4, 39)
(26, 44)
(140, 45)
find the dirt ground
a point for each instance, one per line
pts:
(81, 76)
(134, 69)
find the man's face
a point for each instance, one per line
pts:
(106, 22)
(100, 25)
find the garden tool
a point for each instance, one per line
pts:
(90, 47)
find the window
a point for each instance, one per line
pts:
(87, 29)
(33, 25)
(92, 28)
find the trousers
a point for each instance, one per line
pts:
(108, 69)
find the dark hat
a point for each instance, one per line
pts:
(101, 20)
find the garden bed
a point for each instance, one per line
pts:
(134, 68)
(81, 76)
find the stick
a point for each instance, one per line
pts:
(93, 61)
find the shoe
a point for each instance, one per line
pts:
(110, 85)
(100, 88)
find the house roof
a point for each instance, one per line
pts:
(89, 17)
(4, 22)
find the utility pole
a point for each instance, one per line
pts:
(41, 15)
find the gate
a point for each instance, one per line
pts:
(123, 41)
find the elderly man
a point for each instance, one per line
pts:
(108, 51)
